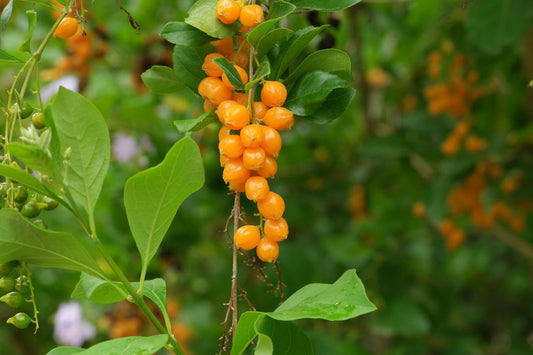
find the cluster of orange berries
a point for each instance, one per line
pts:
(453, 91)
(460, 134)
(249, 141)
(453, 235)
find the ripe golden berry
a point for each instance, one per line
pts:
(272, 206)
(273, 94)
(224, 46)
(271, 144)
(256, 188)
(208, 105)
(253, 158)
(223, 160)
(231, 146)
(223, 132)
(235, 172)
(267, 250)
(269, 168)
(236, 116)
(237, 186)
(276, 230)
(239, 58)
(251, 15)
(247, 237)
(214, 90)
(222, 108)
(67, 28)
(227, 11)
(260, 109)
(279, 118)
(210, 67)
(242, 74)
(240, 98)
(252, 135)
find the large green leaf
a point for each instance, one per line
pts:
(182, 33)
(32, 19)
(33, 157)
(188, 65)
(161, 80)
(292, 47)
(324, 5)
(202, 16)
(277, 35)
(137, 345)
(196, 124)
(493, 24)
(278, 11)
(274, 336)
(330, 60)
(22, 240)
(152, 197)
(334, 106)
(80, 127)
(311, 91)
(344, 299)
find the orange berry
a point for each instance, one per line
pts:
(245, 47)
(279, 118)
(260, 109)
(210, 67)
(273, 94)
(269, 168)
(67, 28)
(222, 109)
(247, 237)
(231, 146)
(237, 186)
(223, 160)
(251, 15)
(267, 250)
(252, 135)
(214, 90)
(276, 231)
(239, 58)
(208, 105)
(240, 98)
(227, 11)
(236, 116)
(223, 132)
(242, 74)
(235, 172)
(224, 46)
(272, 142)
(272, 206)
(253, 158)
(256, 188)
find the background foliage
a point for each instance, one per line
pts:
(369, 191)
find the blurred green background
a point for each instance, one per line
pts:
(423, 185)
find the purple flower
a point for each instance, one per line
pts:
(69, 326)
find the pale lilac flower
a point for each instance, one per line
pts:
(69, 326)
(125, 147)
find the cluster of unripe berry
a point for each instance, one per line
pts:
(249, 141)
(16, 289)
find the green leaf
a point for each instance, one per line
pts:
(274, 336)
(277, 35)
(78, 125)
(161, 80)
(494, 24)
(344, 299)
(324, 5)
(311, 91)
(6, 15)
(188, 65)
(334, 106)
(182, 33)
(230, 71)
(278, 11)
(32, 19)
(202, 16)
(6, 57)
(152, 197)
(330, 60)
(292, 47)
(33, 157)
(100, 291)
(137, 345)
(22, 240)
(196, 124)
(262, 72)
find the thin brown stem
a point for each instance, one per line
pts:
(233, 300)
(280, 284)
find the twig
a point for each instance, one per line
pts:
(244, 295)
(280, 284)
(131, 20)
(252, 262)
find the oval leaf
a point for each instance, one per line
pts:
(324, 5)
(188, 65)
(230, 71)
(196, 124)
(137, 345)
(161, 80)
(202, 16)
(278, 11)
(33, 157)
(80, 127)
(22, 240)
(334, 106)
(152, 197)
(268, 41)
(182, 33)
